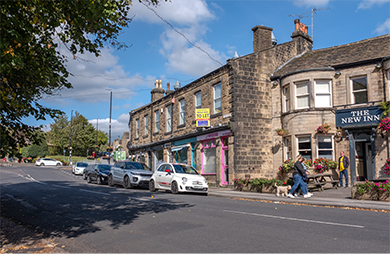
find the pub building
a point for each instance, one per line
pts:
(285, 85)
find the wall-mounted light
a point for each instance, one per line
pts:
(337, 74)
(378, 66)
(275, 84)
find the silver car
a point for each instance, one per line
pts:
(129, 174)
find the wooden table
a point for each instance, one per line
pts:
(319, 180)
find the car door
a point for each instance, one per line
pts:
(118, 171)
(165, 177)
(160, 171)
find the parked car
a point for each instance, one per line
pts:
(178, 177)
(47, 162)
(78, 168)
(129, 174)
(98, 173)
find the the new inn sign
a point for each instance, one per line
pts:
(358, 117)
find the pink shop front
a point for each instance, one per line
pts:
(213, 156)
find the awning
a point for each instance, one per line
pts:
(178, 148)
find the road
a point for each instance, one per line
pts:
(99, 219)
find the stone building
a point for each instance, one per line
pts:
(342, 87)
(250, 97)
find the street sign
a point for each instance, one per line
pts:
(120, 155)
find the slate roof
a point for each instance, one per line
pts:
(361, 51)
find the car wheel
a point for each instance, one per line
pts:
(58, 164)
(42, 164)
(152, 187)
(127, 183)
(98, 180)
(89, 179)
(174, 188)
(84, 177)
(110, 181)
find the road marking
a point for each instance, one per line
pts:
(96, 192)
(295, 219)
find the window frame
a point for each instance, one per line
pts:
(137, 128)
(156, 121)
(168, 118)
(215, 99)
(146, 122)
(329, 93)
(196, 102)
(286, 99)
(296, 84)
(310, 142)
(182, 112)
(351, 79)
(287, 148)
(324, 149)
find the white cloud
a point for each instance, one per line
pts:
(367, 4)
(311, 3)
(118, 126)
(384, 28)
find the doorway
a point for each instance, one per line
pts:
(363, 161)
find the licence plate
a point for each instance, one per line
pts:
(198, 187)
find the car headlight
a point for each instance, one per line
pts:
(184, 179)
(134, 173)
(102, 174)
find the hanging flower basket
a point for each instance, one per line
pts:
(324, 128)
(384, 126)
(281, 132)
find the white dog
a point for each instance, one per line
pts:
(282, 190)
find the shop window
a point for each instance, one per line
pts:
(325, 147)
(302, 94)
(217, 99)
(182, 111)
(286, 98)
(359, 90)
(169, 118)
(146, 120)
(181, 156)
(198, 101)
(209, 153)
(137, 128)
(323, 93)
(156, 121)
(287, 148)
(304, 147)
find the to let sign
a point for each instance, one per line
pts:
(202, 117)
(358, 117)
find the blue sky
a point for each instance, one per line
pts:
(219, 27)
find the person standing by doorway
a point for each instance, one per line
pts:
(343, 167)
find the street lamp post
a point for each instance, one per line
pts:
(109, 126)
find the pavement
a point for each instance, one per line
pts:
(330, 197)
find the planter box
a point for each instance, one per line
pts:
(384, 196)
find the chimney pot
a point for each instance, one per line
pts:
(297, 23)
(168, 86)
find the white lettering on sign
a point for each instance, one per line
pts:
(361, 116)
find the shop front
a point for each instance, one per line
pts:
(359, 125)
(214, 156)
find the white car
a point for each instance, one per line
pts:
(48, 162)
(78, 168)
(178, 177)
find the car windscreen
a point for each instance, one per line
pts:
(184, 169)
(104, 167)
(133, 165)
(82, 164)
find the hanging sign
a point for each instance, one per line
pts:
(358, 117)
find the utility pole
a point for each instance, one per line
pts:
(71, 134)
(97, 135)
(109, 127)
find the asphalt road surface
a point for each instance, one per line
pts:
(98, 219)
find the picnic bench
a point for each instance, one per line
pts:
(319, 180)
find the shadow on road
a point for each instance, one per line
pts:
(63, 209)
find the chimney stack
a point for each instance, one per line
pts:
(158, 91)
(168, 91)
(303, 41)
(262, 38)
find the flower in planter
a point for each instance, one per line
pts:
(387, 167)
(281, 131)
(287, 166)
(324, 128)
(384, 125)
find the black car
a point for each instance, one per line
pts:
(97, 173)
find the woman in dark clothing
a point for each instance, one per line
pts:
(298, 175)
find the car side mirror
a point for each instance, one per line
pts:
(168, 171)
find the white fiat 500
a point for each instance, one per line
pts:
(178, 177)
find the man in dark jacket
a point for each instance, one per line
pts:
(343, 167)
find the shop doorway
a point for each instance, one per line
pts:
(363, 161)
(225, 162)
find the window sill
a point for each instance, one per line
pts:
(181, 126)
(216, 115)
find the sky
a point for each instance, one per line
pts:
(182, 40)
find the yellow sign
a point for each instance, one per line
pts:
(202, 117)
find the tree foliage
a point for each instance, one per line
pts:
(77, 133)
(31, 65)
